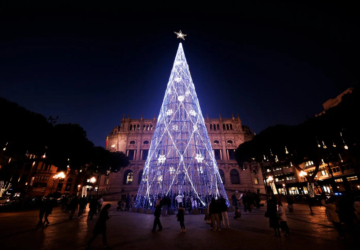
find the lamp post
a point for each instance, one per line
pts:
(270, 180)
(92, 180)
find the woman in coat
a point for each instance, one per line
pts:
(271, 213)
(100, 226)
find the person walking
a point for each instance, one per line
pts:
(100, 226)
(271, 213)
(127, 207)
(41, 213)
(100, 202)
(214, 213)
(82, 205)
(332, 214)
(282, 218)
(48, 210)
(290, 203)
(73, 206)
(157, 214)
(181, 217)
(224, 214)
(93, 205)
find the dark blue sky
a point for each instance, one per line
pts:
(271, 64)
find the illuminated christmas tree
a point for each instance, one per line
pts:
(181, 159)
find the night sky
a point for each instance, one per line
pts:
(271, 64)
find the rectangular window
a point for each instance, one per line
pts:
(231, 153)
(217, 154)
(352, 178)
(107, 181)
(131, 154)
(338, 180)
(145, 154)
(256, 181)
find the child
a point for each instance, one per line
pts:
(180, 217)
(283, 219)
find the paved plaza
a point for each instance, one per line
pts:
(128, 230)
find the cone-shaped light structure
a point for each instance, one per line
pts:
(180, 159)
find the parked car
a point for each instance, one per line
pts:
(4, 201)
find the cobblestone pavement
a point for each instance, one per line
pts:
(127, 230)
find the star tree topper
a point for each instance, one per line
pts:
(180, 35)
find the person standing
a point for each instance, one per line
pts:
(214, 213)
(224, 214)
(181, 217)
(271, 213)
(41, 213)
(157, 214)
(100, 226)
(48, 211)
(333, 216)
(100, 202)
(282, 218)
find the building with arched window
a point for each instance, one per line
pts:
(133, 137)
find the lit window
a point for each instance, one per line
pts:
(129, 178)
(113, 146)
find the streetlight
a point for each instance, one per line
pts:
(58, 176)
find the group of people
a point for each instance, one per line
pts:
(125, 203)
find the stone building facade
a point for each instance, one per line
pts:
(134, 136)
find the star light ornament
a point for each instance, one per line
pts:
(181, 98)
(192, 112)
(180, 35)
(161, 159)
(199, 158)
(169, 112)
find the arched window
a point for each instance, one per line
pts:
(140, 176)
(234, 176)
(128, 177)
(218, 127)
(138, 127)
(214, 125)
(146, 142)
(216, 142)
(210, 126)
(130, 127)
(229, 141)
(227, 126)
(222, 175)
(224, 127)
(231, 127)
(132, 142)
